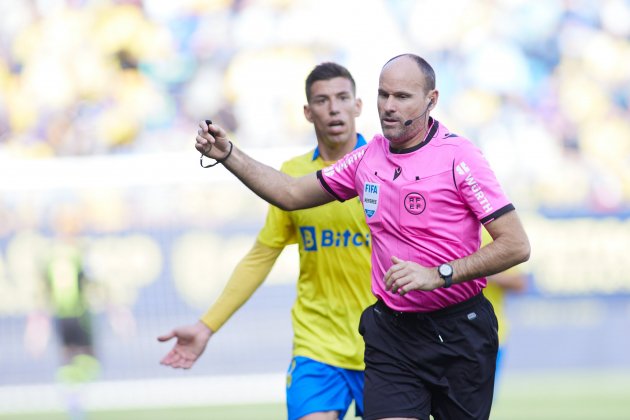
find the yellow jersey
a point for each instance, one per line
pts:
(333, 286)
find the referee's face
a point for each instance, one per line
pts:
(402, 97)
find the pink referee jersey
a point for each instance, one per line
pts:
(424, 204)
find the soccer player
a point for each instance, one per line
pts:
(431, 337)
(326, 372)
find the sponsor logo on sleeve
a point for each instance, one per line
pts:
(343, 164)
(328, 171)
(463, 170)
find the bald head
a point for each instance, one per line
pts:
(425, 70)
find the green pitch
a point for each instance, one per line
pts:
(543, 396)
(245, 412)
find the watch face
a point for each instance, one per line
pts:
(446, 270)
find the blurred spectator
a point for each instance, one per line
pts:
(66, 286)
(66, 289)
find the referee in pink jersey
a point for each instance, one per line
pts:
(431, 338)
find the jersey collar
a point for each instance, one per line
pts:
(360, 142)
(433, 128)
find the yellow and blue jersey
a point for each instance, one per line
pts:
(333, 286)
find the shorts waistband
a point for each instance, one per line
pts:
(439, 313)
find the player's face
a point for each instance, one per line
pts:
(401, 96)
(332, 109)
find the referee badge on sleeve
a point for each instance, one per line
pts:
(370, 198)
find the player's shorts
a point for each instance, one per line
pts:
(75, 331)
(313, 386)
(440, 363)
(497, 374)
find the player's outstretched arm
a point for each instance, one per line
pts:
(191, 343)
(273, 186)
(247, 276)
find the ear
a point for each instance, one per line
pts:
(432, 99)
(307, 113)
(358, 107)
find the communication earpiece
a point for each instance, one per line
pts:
(409, 122)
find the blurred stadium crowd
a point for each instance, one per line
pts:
(542, 86)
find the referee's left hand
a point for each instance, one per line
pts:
(405, 276)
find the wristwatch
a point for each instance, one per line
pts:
(445, 272)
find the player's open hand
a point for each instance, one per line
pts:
(190, 345)
(212, 141)
(405, 276)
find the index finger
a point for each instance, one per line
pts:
(205, 125)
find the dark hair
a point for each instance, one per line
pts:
(327, 71)
(425, 68)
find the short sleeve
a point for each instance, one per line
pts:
(339, 179)
(478, 185)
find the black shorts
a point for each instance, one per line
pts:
(440, 363)
(75, 331)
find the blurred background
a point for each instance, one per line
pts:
(99, 106)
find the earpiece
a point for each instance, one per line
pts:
(409, 122)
